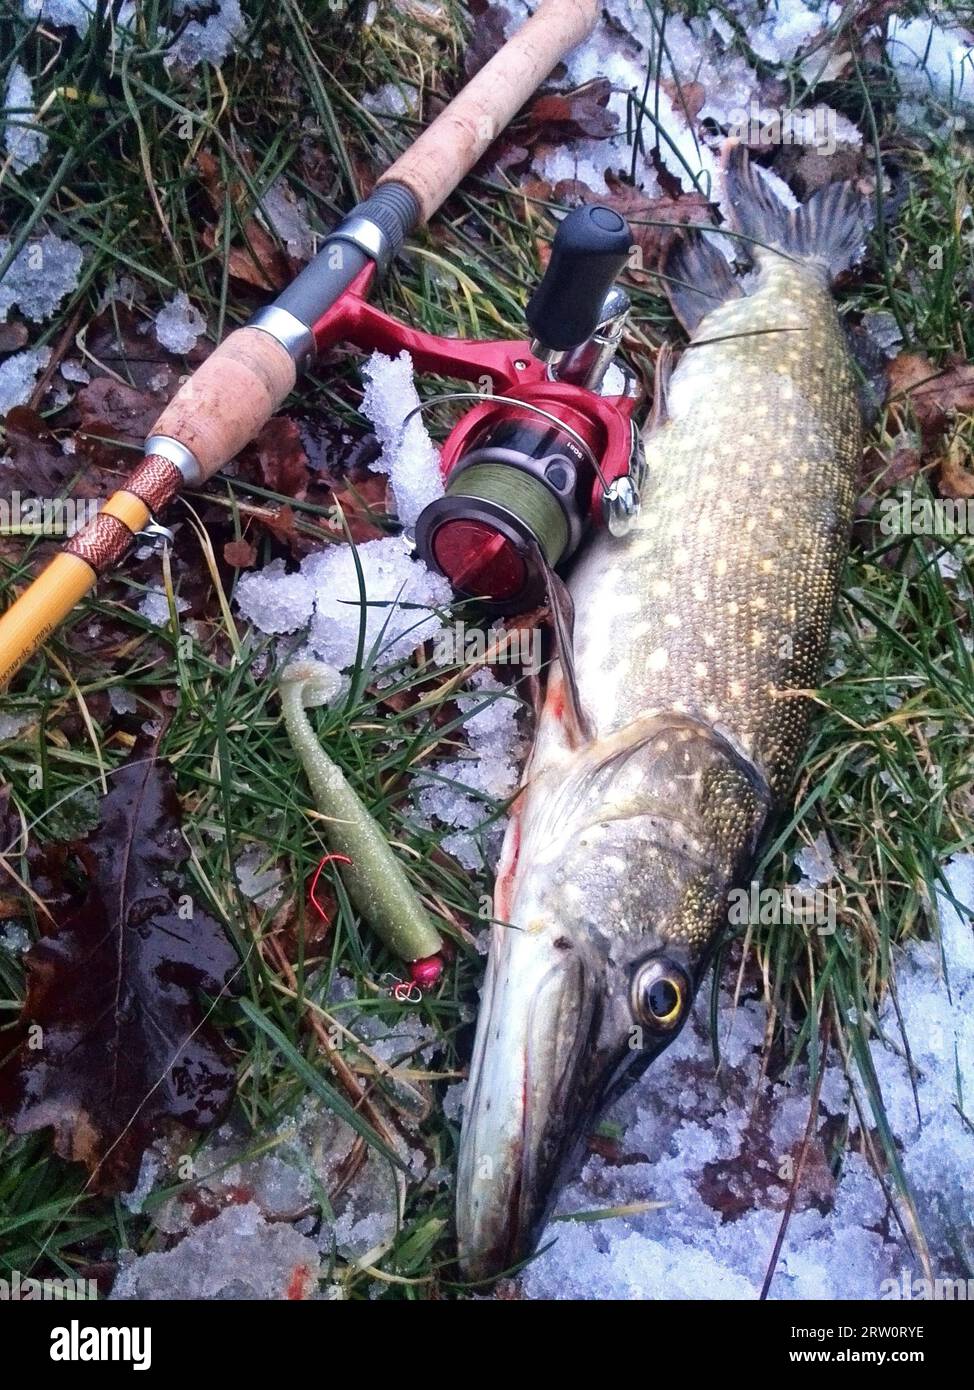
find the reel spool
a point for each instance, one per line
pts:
(527, 473)
(520, 493)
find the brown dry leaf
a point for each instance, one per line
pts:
(240, 553)
(282, 458)
(564, 116)
(554, 119)
(259, 263)
(955, 479)
(360, 501)
(935, 396)
(881, 472)
(282, 524)
(258, 260)
(645, 216)
(113, 1046)
(687, 97)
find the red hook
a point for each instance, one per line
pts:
(328, 859)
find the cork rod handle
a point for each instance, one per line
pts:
(449, 148)
(227, 399)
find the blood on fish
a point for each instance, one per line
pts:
(299, 1284)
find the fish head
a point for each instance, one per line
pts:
(616, 881)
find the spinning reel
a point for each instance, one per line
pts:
(543, 454)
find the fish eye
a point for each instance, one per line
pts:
(660, 994)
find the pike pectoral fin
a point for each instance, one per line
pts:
(578, 726)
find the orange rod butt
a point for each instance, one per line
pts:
(47, 602)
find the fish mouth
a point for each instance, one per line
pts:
(537, 1081)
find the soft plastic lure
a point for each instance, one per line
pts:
(376, 881)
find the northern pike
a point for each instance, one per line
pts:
(696, 642)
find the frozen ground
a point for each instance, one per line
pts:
(721, 1150)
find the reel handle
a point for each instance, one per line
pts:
(589, 250)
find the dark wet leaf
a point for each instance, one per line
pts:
(118, 343)
(653, 221)
(487, 35)
(113, 413)
(13, 336)
(35, 465)
(282, 458)
(555, 119)
(884, 471)
(113, 1046)
(935, 396)
(562, 116)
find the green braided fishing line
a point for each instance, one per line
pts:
(522, 494)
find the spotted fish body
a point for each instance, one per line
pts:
(694, 640)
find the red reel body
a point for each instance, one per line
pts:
(527, 469)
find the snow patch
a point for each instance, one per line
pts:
(39, 276)
(179, 325)
(206, 41)
(18, 376)
(237, 1255)
(400, 598)
(24, 145)
(408, 455)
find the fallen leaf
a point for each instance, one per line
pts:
(255, 258)
(113, 413)
(13, 336)
(563, 116)
(955, 480)
(282, 524)
(884, 471)
(487, 35)
(687, 98)
(113, 1046)
(282, 458)
(554, 119)
(935, 396)
(654, 222)
(362, 502)
(35, 464)
(117, 342)
(240, 553)
(258, 263)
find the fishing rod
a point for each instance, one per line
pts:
(536, 459)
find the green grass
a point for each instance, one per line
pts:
(888, 773)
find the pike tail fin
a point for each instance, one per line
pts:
(829, 230)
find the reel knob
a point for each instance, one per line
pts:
(590, 248)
